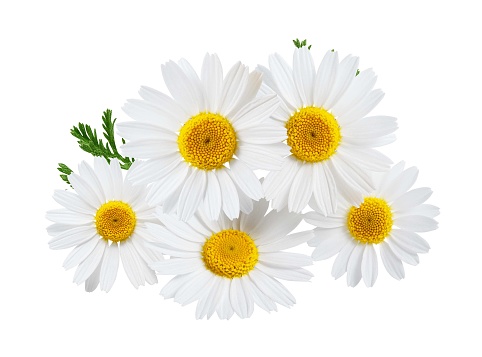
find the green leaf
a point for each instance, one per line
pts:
(66, 171)
(300, 44)
(89, 142)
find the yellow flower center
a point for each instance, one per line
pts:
(230, 253)
(207, 141)
(313, 134)
(115, 221)
(371, 222)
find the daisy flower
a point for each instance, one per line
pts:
(389, 217)
(202, 144)
(330, 138)
(103, 219)
(227, 266)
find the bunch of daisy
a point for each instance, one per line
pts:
(184, 197)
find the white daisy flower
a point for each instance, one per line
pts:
(230, 265)
(189, 140)
(105, 218)
(354, 231)
(330, 138)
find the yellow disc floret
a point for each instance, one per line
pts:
(207, 141)
(313, 134)
(371, 222)
(230, 253)
(115, 221)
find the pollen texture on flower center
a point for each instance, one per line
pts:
(230, 253)
(207, 141)
(313, 134)
(115, 221)
(371, 222)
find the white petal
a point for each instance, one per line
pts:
(325, 78)
(164, 236)
(145, 172)
(212, 80)
(410, 241)
(65, 216)
(109, 267)
(345, 76)
(286, 259)
(177, 266)
(362, 108)
(319, 220)
(416, 223)
(369, 265)
(275, 226)
(135, 130)
(90, 264)
(229, 194)
(233, 86)
(162, 189)
(422, 210)
(353, 268)
(292, 274)
(192, 194)
(370, 127)
(333, 240)
(173, 285)
(238, 299)
(277, 183)
(401, 252)
(149, 148)
(131, 263)
(224, 309)
(258, 296)
(264, 157)
(84, 190)
(341, 262)
(249, 91)
(195, 289)
(103, 171)
(207, 303)
(400, 184)
(359, 88)
(390, 176)
(255, 112)
(411, 199)
(93, 280)
(283, 76)
(168, 118)
(272, 288)
(367, 158)
(248, 222)
(72, 237)
(79, 253)
(212, 198)
(179, 228)
(245, 179)
(344, 184)
(182, 89)
(287, 242)
(304, 74)
(72, 202)
(268, 132)
(324, 189)
(301, 189)
(392, 263)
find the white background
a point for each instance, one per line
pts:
(64, 62)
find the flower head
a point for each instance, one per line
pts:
(227, 265)
(202, 144)
(389, 217)
(331, 141)
(104, 219)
